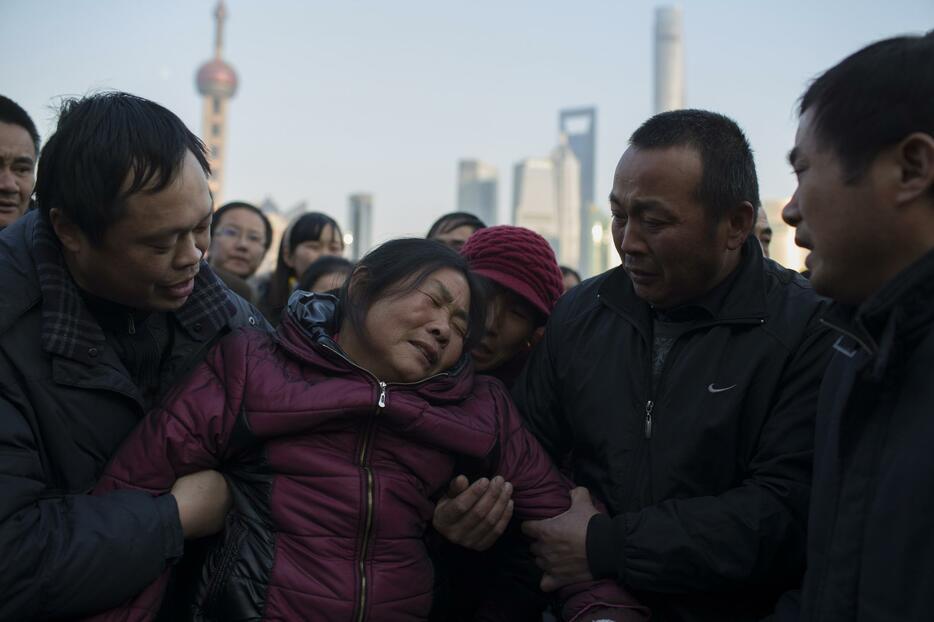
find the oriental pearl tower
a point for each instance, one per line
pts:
(217, 83)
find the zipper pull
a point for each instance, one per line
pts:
(648, 418)
(132, 325)
(382, 395)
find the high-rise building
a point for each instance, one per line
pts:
(669, 59)
(580, 127)
(567, 171)
(217, 83)
(361, 224)
(546, 199)
(534, 198)
(477, 188)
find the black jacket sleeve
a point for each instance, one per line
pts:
(64, 554)
(538, 391)
(751, 534)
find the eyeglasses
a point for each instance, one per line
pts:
(251, 237)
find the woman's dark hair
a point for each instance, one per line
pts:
(400, 266)
(226, 207)
(452, 221)
(322, 267)
(101, 142)
(566, 271)
(308, 226)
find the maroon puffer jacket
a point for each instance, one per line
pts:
(333, 474)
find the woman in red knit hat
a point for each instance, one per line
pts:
(524, 283)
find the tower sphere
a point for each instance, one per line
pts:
(216, 78)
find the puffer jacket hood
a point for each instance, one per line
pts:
(307, 332)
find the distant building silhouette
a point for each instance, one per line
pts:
(546, 199)
(580, 127)
(217, 82)
(477, 188)
(669, 59)
(361, 224)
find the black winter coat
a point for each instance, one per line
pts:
(871, 531)
(62, 552)
(707, 487)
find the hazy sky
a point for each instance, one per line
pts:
(384, 97)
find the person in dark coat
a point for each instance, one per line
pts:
(106, 303)
(864, 206)
(681, 389)
(336, 434)
(19, 150)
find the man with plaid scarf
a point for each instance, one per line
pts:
(107, 302)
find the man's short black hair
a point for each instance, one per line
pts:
(226, 207)
(728, 171)
(873, 99)
(103, 143)
(13, 113)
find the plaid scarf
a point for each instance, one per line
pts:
(70, 330)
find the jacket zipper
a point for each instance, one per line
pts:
(362, 461)
(649, 405)
(368, 524)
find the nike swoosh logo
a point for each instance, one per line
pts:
(714, 389)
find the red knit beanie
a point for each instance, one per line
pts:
(519, 260)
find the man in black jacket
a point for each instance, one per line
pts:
(864, 158)
(19, 149)
(106, 303)
(681, 389)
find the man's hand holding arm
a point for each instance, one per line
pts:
(560, 546)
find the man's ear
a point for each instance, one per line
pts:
(914, 156)
(739, 222)
(71, 237)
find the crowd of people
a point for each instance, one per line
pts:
(455, 427)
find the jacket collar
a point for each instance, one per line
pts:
(70, 330)
(739, 297)
(891, 321)
(307, 332)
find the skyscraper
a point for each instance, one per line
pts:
(361, 224)
(669, 59)
(546, 199)
(217, 83)
(477, 187)
(567, 171)
(580, 127)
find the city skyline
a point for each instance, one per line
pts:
(334, 98)
(478, 190)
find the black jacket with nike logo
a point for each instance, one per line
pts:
(706, 477)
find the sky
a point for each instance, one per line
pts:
(384, 97)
